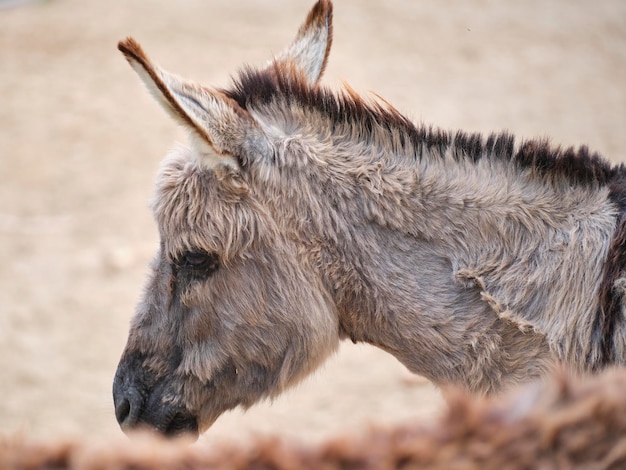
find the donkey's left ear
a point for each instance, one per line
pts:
(222, 129)
(308, 53)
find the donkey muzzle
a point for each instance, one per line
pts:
(141, 404)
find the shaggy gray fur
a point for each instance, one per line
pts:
(298, 217)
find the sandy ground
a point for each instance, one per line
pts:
(80, 142)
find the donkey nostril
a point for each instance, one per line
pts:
(122, 411)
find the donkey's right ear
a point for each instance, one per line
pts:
(220, 126)
(308, 53)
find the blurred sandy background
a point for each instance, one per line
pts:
(80, 143)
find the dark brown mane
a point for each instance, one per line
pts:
(579, 166)
(559, 166)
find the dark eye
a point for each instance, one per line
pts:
(199, 263)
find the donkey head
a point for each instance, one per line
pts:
(231, 314)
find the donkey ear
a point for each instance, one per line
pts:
(308, 53)
(217, 121)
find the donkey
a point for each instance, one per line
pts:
(298, 217)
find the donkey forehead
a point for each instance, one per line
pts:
(197, 206)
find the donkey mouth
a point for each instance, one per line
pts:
(181, 424)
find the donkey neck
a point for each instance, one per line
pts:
(429, 183)
(420, 180)
(378, 203)
(457, 191)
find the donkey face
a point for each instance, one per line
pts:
(231, 313)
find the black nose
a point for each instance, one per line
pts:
(128, 404)
(122, 410)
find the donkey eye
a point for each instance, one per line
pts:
(199, 262)
(195, 259)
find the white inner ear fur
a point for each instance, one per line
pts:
(204, 154)
(308, 53)
(206, 157)
(153, 88)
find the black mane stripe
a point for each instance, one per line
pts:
(610, 300)
(578, 167)
(275, 84)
